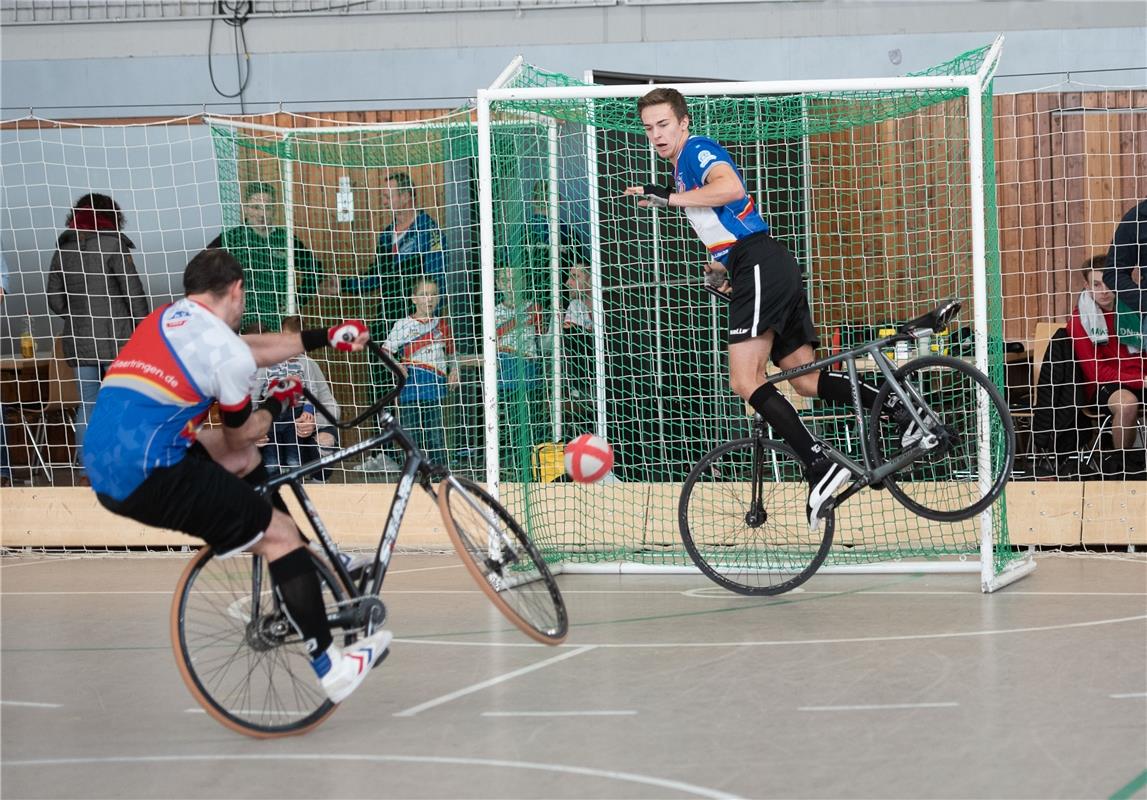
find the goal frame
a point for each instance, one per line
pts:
(973, 85)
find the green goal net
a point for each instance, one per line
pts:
(882, 190)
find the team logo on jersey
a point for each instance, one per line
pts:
(705, 158)
(178, 317)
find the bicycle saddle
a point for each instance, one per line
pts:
(934, 321)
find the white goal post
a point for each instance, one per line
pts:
(579, 110)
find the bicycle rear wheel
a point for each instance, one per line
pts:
(958, 478)
(743, 520)
(239, 655)
(502, 559)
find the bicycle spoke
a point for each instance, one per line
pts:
(744, 525)
(501, 558)
(245, 670)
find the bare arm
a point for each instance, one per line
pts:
(271, 348)
(722, 186)
(253, 429)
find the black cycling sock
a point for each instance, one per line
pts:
(297, 584)
(780, 414)
(836, 388)
(259, 476)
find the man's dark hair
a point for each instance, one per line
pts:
(664, 95)
(1094, 264)
(258, 188)
(211, 272)
(403, 181)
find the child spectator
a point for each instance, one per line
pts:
(300, 434)
(424, 345)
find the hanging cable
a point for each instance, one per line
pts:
(234, 14)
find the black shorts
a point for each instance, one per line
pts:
(198, 497)
(1103, 394)
(768, 294)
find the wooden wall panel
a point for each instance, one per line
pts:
(1080, 161)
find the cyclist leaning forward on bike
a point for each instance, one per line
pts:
(769, 315)
(149, 461)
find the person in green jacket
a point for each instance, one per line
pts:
(262, 251)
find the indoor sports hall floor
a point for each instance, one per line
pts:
(859, 686)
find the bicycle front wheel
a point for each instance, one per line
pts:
(743, 519)
(502, 559)
(969, 466)
(237, 652)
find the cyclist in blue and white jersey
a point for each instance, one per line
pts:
(769, 315)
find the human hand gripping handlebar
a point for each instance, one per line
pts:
(395, 369)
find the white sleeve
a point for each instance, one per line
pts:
(394, 340)
(234, 381)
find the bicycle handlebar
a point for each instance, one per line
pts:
(718, 293)
(395, 368)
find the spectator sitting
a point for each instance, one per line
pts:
(300, 434)
(1114, 369)
(424, 344)
(93, 285)
(262, 251)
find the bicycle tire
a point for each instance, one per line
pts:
(945, 485)
(252, 689)
(466, 509)
(740, 552)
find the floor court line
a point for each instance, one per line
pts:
(446, 698)
(629, 777)
(24, 704)
(653, 645)
(559, 713)
(1126, 695)
(879, 707)
(783, 642)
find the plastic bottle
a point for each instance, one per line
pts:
(27, 341)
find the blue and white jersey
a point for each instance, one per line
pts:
(723, 226)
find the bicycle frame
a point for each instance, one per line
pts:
(866, 473)
(416, 467)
